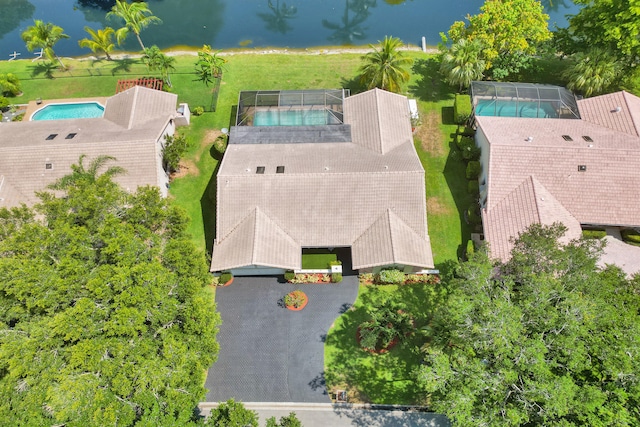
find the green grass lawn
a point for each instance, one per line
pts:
(315, 259)
(379, 378)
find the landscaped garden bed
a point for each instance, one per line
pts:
(396, 277)
(296, 300)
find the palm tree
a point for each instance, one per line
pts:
(80, 174)
(209, 65)
(136, 16)
(156, 60)
(593, 72)
(44, 36)
(461, 63)
(100, 41)
(384, 67)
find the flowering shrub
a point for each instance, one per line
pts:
(391, 277)
(295, 299)
(311, 278)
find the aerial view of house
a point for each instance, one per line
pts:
(547, 157)
(130, 127)
(320, 169)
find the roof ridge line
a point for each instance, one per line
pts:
(256, 210)
(626, 101)
(535, 197)
(393, 247)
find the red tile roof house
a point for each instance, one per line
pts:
(320, 169)
(581, 172)
(34, 154)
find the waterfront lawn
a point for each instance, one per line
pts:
(379, 378)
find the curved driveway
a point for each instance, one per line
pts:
(269, 353)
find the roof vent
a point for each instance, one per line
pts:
(280, 169)
(529, 139)
(51, 136)
(582, 168)
(617, 109)
(260, 169)
(48, 166)
(567, 138)
(587, 138)
(70, 136)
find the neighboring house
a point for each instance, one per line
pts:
(34, 154)
(320, 169)
(579, 167)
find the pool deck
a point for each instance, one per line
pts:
(33, 106)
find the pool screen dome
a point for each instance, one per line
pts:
(503, 99)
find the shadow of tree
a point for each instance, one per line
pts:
(353, 84)
(319, 382)
(382, 418)
(123, 65)
(44, 68)
(429, 85)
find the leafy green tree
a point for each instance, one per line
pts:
(232, 414)
(101, 41)
(290, 420)
(546, 339)
(105, 317)
(388, 321)
(461, 63)
(592, 72)
(384, 67)
(9, 84)
(158, 61)
(209, 65)
(44, 36)
(174, 148)
(136, 16)
(511, 31)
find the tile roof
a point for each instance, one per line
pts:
(594, 176)
(25, 150)
(329, 193)
(529, 203)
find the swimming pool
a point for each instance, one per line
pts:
(294, 118)
(508, 108)
(79, 110)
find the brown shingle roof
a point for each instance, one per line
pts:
(329, 193)
(618, 111)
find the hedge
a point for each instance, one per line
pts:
(594, 234)
(391, 277)
(466, 131)
(473, 169)
(473, 187)
(461, 108)
(631, 236)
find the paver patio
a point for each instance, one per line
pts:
(269, 353)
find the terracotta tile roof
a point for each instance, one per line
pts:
(593, 176)
(257, 240)
(29, 161)
(618, 111)
(329, 193)
(529, 203)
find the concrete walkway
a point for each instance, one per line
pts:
(342, 415)
(271, 354)
(617, 252)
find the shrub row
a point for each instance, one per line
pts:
(594, 234)
(461, 108)
(631, 236)
(407, 279)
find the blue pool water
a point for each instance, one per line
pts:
(81, 110)
(502, 108)
(293, 118)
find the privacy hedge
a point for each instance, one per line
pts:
(461, 108)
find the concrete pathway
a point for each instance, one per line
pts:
(617, 252)
(342, 415)
(269, 353)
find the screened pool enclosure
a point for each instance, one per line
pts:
(291, 108)
(501, 99)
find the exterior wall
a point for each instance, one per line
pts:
(257, 270)
(483, 143)
(184, 115)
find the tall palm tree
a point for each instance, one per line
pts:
(593, 72)
(461, 63)
(136, 16)
(158, 61)
(100, 41)
(384, 67)
(44, 36)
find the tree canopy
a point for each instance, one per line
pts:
(44, 36)
(384, 66)
(546, 339)
(510, 32)
(105, 318)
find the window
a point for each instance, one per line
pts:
(70, 136)
(280, 169)
(567, 138)
(260, 169)
(587, 138)
(51, 136)
(48, 166)
(582, 168)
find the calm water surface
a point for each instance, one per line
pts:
(252, 23)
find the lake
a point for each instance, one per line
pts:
(252, 23)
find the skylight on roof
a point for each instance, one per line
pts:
(567, 138)
(70, 136)
(280, 169)
(260, 169)
(51, 136)
(587, 138)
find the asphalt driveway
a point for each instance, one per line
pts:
(269, 353)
